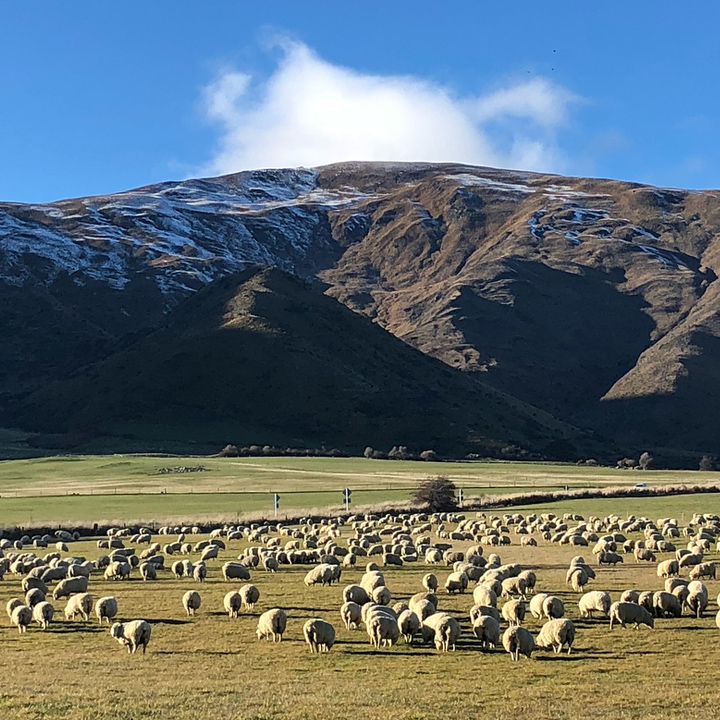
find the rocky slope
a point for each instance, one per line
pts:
(594, 300)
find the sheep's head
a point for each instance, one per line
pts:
(116, 630)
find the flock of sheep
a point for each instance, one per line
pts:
(381, 544)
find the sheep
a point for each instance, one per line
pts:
(409, 624)
(382, 629)
(249, 595)
(191, 601)
(81, 604)
(513, 612)
(643, 554)
(666, 605)
(627, 612)
(381, 595)
(430, 582)
(456, 582)
(705, 569)
(536, 604)
(272, 623)
(356, 594)
(148, 571)
(578, 579)
(697, 601)
(487, 631)
(235, 571)
(445, 630)
(690, 559)
(351, 614)
(117, 570)
(400, 607)
(553, 607)
(33, 597)
(106, 607)
(321, 574)
(29, 583)
(595, 601)
(65, 588)
(483, 595)
(11, 605)
(319, 635)
(514, 586)
(518, 641)
(717, 619)
(43, 613)
(477, 610)
(199, 572)
(418, 597)
(21, 616)
(556, 634)
(132, 634)
(668, 568)
(632, 596)
(609, 558)
(232, 603)
(530, 580)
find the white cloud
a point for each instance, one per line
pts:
(310, 112)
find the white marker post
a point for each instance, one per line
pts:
(347, 492)
(276, 502)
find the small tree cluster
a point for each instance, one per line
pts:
(438, 493)
(399, 452)
(708, 463)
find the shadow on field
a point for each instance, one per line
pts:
(168, 621)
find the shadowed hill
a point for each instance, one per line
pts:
(264, 357)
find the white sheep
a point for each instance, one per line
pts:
(234, 571)
(409, 624)
(351, 614)
(21, 616)
(232, 603)
(536, 604)
(382, 629)
(595, 601)
(191, 601)
(553, 607)
(627, 612)
(487, 631)
(556, 634)
(518, 641)
(272, 623)
(249, 595)
(483, 595)
(79, 605)
(666, 605)
(355, 594)
(106, 608)
(65, 588)
(43, 613)
(443, 628)
(133, 634)
(430, 582)
(513, 612)
(382, 595)
(148, 571)
(319, 635)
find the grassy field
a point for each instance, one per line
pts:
(210, 667)
(71, 488)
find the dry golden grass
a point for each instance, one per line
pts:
(210, 666)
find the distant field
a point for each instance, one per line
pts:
(130, 487)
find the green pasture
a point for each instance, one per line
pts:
(73, 488)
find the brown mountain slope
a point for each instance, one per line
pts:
(262, 357)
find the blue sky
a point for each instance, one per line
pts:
(101, 97)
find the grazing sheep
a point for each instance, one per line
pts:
(536, 604)
(443, 628)
(456, 582)
(132, 634)
(191, 601)
(21, 616)
(668, 568)
(690, 560)
(418, 597)
(514, 586)
(518, 641)
(595, 601)
(705, 569)
(697, 601)
(400, 607)
(232, 603)
(321, 574)
(643, 554)
(530, 580)
(553, 607)
(249, 595)
(666, 605)
(106, 607)
(409, 624)
(234, 571)
(645, 599)
(632, 596)
(483, 595)
(477, 610)
(717, 619)
(487, 631)
(381, 595)
(34, 597)
(117, 570)
(43, 613)
(383, 630)
(556, 634)
(430, 582)
(65, 588)
(272, 623)
(79, 605)
(627, 612)
(609, 558)
(319, 635)
(513, 612)
(578, 580)
(356, 594)
(11, 605)
(148, 571)
(351, 614)
(199, 572)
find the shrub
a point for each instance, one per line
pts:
(708, 462)
(438, 493)
(647, 461)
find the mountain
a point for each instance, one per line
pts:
(261, 355)
(595, 301)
